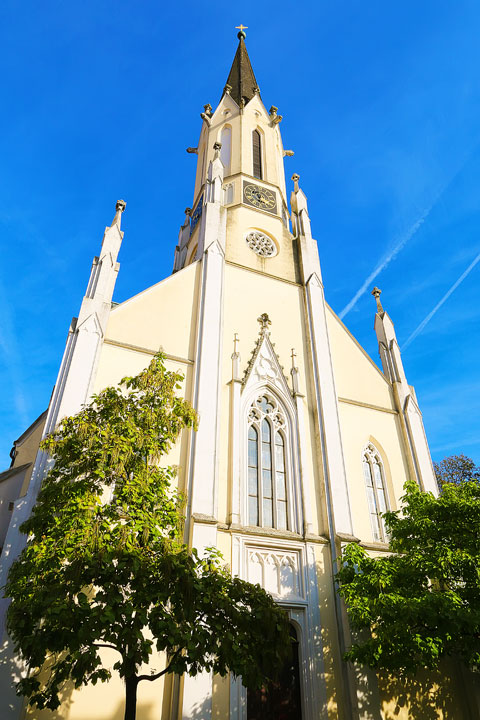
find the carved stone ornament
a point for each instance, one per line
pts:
(264, 365)
(261, 244)
(277, 571)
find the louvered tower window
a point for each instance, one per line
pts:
(257, 154)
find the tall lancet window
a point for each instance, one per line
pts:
(376, 495)
(257, 154)
(267, 464)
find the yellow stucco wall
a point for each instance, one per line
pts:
(160, 317)
(106, 701)
(356, 375)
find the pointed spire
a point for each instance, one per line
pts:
(119, 208)
(241, 83)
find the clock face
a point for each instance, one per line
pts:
(259, 197)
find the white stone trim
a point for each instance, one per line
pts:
(301, 436)
(235, 450)
(197, 691)
(203, 466)
(327, 412)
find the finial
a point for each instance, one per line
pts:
(293, 356)
(264, 321)
(376, 292)
(188, 211)
(235, 359)
(120, 206)
(294, 373)
(295, 179)
(241, 35)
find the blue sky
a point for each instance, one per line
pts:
(381, 104)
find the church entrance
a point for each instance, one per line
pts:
(280, 700)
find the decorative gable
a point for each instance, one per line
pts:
(264, 365)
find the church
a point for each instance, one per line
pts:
(303, 442)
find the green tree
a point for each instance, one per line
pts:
(421, 602)
(104, 566)
(456, 469)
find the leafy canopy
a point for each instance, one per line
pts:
(105, 567)
(422, 602)
(456, 469)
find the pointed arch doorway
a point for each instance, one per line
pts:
(280, 700)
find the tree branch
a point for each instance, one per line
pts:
(162, 672)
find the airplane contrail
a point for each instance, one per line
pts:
(406, 237)
(391, 255)
(437, 307)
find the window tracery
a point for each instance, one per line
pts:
(261, 244)
(267, 464)
(374, 475)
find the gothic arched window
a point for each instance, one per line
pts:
(257, 154)
(267, 464)
(376, 495)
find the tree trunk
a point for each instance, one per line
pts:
(131, 684)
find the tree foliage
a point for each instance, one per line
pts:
(421, 602)
(104, 566)
(456, 469)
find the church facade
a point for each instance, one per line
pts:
(302, 443)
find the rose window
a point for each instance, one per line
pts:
(261, 244)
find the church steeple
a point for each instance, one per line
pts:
(240, 175)
(241, 83)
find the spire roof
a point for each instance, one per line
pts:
(241, 82)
